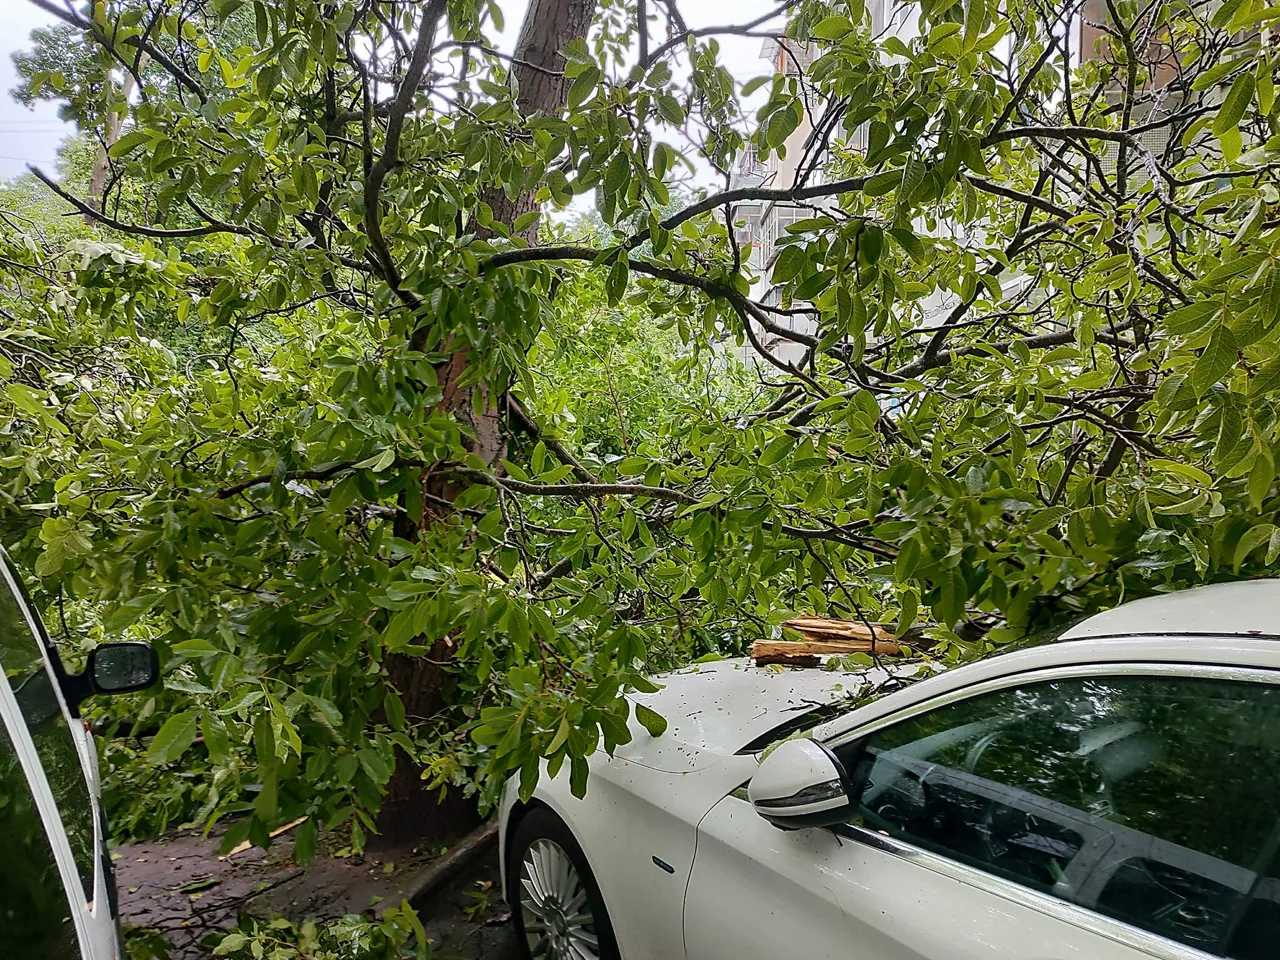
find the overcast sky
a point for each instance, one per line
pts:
(33, 136)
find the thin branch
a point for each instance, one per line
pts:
(134, 228)
(576, 491)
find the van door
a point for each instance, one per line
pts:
(53, 883)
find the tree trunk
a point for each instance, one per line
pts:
(98, 179)
(548, 26)
(409, 810)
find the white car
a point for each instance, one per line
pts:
(57, 884)
(1109, 796)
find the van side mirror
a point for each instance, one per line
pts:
(801, 783)
(122, 667)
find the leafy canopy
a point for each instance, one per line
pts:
(1038, 370)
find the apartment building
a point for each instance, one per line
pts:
(761, 225)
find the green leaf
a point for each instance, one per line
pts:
(525, 221)
(617, 174)
(975, 18)
(1184, 470)
(1260, 479)
(1234, 105)
(1192, 317)
(562, 734)
(230, 944)
(128, 141)
(1264, 86)
(651, 720)
(1253, 538)
(304, 842)
(1269, 301)
(174, 737)
(910, 607)
(882, 183)
(909, 242)
(1232, 144)
(578, 777)
(777, 450)
(1222, 16)
(196, 647)
(129, 612)
(1186, 507)
(1216, 361)
(379, 461)
(616, 284)
(583, 84)
(1266, 379)
(833, 28)
(215, 736)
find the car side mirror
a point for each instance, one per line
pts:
(801, 783)
(122, 667)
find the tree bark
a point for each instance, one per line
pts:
(540, 83)
(98, 179)
(409, 810)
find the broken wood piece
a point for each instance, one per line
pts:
(244, 845)
(799, 648)
(825, 628)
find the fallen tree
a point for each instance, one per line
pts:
(1038, 370)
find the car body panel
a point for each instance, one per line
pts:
(645, 801)
(756, 891)
(714, 709)
(631, 815)
(95, 920)
(1247, 607)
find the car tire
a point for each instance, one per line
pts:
(556, 907)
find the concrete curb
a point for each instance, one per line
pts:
(440, 872)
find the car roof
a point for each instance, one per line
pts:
(1244, 608)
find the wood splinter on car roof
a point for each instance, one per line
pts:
(823, 635)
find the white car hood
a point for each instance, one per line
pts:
(720, 707)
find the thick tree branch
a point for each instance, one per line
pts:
(726, 30)
(552, 443)
(576, 491)
(135, 228)
(396, 114)
(944, 357)
(776, 194)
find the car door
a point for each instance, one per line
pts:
(52, 863)
(1068, 813)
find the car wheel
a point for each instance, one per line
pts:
(555, 902)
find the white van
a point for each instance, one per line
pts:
(57, 884)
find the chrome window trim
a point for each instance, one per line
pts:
(1082, 917)
(1065, 672)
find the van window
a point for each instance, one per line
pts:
(33, 687)
(34, 912)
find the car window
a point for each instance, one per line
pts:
(35, 916)
(1154, 800)
(33, 687)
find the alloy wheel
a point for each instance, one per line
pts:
(557, 918)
